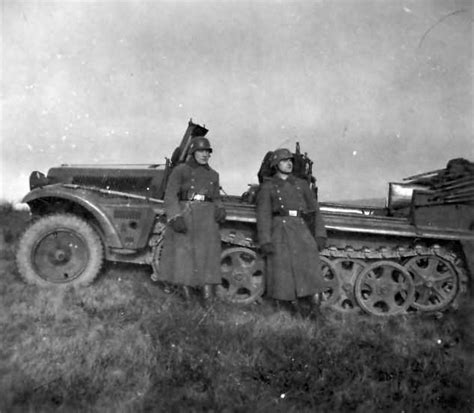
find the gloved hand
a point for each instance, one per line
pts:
(321, 241)
(179, 225)
(267, 249)
(220, 215)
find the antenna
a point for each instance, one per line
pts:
(284, 143)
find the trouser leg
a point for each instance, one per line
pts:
(208, 295)
(310, 306)
(290, 307)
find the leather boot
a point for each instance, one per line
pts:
(315, 305)
(305, 306)
(290, 307)
(208, 292)
(208, 295)
(187, 294)
(317, 299)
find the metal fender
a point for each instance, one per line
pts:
(112, 239)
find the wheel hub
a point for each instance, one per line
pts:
(238, 276)
(60, 256)
(381, 290)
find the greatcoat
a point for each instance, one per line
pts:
(192, 258)
(294, 268)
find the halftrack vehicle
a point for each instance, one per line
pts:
(414, 254)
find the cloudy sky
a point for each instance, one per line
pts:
(373, 90)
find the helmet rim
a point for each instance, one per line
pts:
(200, 143)
(279, 155)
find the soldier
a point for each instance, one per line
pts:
(292, 251)
(192, 246)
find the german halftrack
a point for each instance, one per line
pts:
(415, 254)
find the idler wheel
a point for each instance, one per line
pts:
(436, 282)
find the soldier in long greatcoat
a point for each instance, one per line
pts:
(192, 245)
(292, 250)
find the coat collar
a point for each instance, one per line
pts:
(193, 164)
(280, 182)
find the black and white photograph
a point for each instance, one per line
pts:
(236, 206)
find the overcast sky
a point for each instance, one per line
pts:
(373, 90)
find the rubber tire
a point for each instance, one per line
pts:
(43, 226)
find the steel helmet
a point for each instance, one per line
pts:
(200, 143)
(279, 155)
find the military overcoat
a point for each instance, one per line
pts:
(192, 258)
(294, 269)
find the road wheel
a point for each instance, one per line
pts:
(332, 284)
(384, 288)
(60, 249)
(242, 272)
(347, 270)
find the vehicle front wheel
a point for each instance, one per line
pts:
(60, 249)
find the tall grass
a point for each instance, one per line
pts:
(125, 345)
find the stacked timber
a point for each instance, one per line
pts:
(451, 185)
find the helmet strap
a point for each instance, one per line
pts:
(281, 174)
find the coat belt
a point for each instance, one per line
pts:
(288, 213)
(196, 197)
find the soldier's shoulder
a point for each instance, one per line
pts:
(213, 171)
(300, 181)
(181, 167)
(179, 170)
(267, 183)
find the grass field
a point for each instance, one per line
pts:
(125, 345)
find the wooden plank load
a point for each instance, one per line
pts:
(451, 185)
